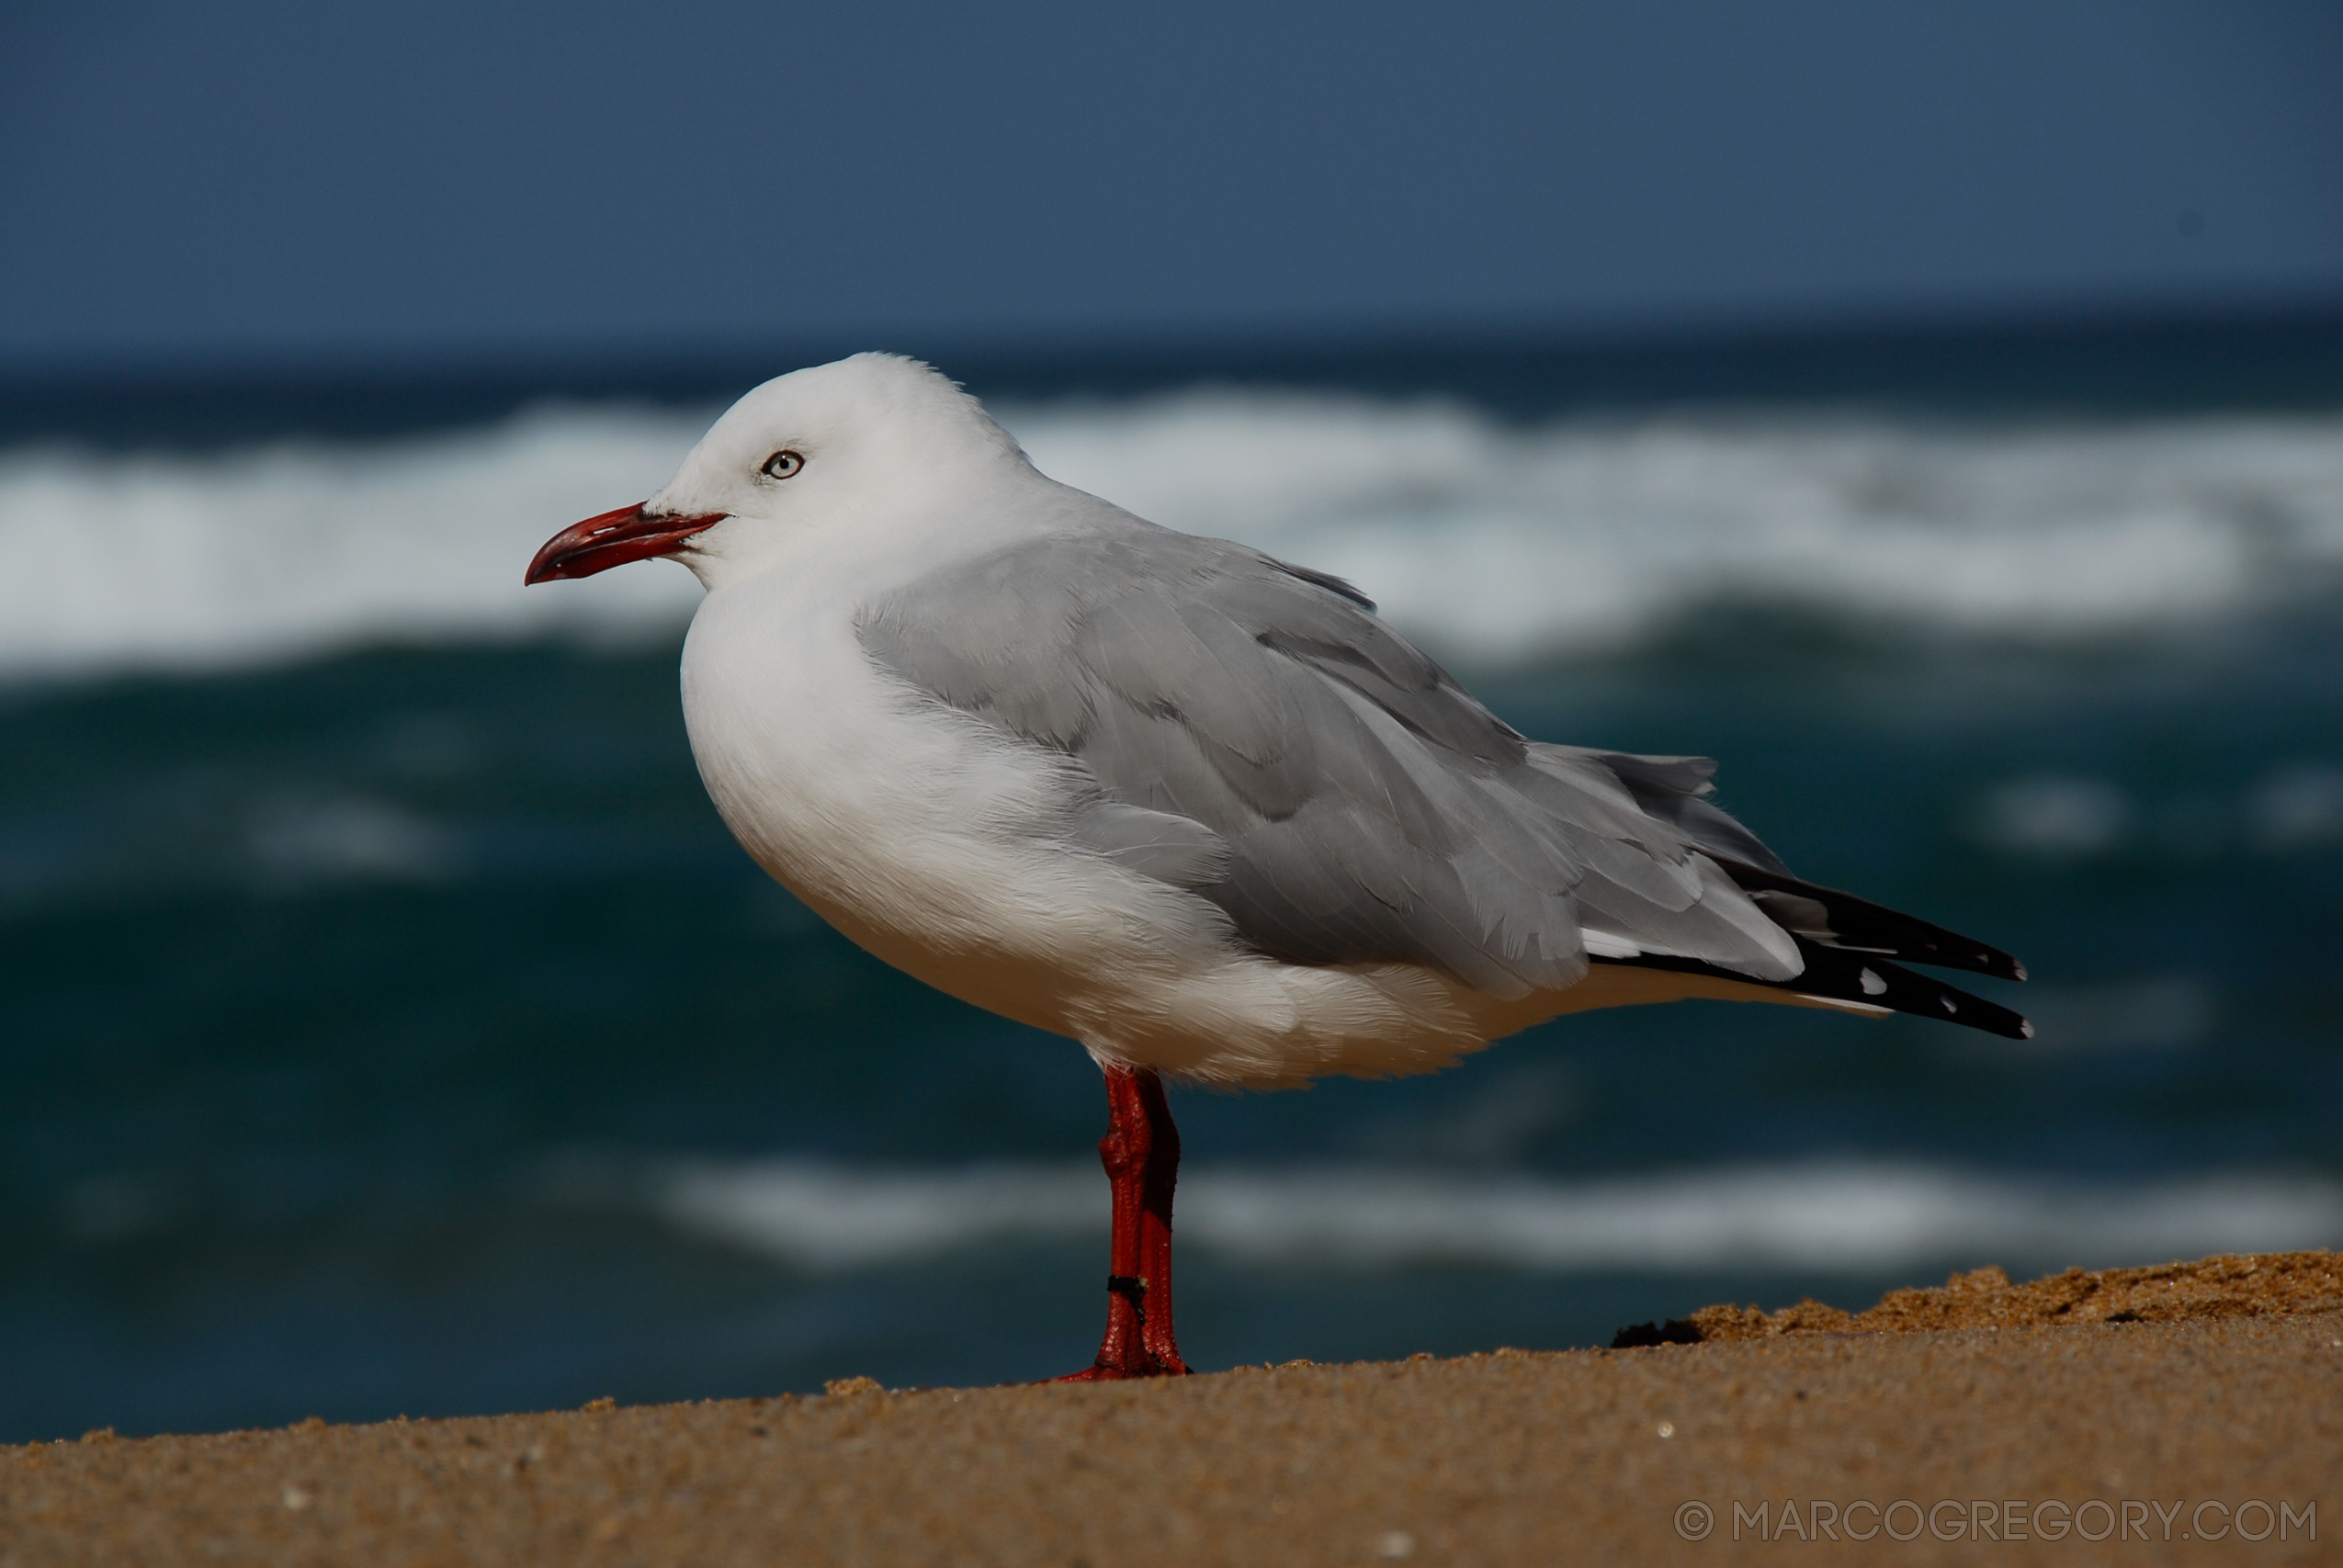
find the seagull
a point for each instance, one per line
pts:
(1197, 809)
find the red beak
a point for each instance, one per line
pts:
(614, 539)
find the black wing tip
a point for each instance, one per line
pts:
(1858, 926)
(1976, 1012)
(1971, 958)
(1994, 964)
(1833, 973)
(2004, 967)
(1861, 981)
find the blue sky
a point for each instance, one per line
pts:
(246, 181)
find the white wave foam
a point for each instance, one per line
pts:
(1499, 543)
(1489, 541)
(151, 561)
(1840, 1218)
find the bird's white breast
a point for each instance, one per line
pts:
(924, 836)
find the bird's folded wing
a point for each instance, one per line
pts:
(1256, 735)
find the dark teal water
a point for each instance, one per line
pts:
(344, 1008)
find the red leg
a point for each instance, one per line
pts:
(1142, 1152)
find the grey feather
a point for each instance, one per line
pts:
(1254, 735)
(1677, 789)
(1167, 847)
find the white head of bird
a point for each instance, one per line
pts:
(866, 455)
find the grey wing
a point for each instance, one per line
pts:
(1256, 736)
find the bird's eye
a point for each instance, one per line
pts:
(782, 464)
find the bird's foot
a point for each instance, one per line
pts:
(1102, 1371)
(1141, 1154)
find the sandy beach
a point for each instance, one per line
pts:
(2151, 1407)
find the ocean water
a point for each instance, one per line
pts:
(389, 1025)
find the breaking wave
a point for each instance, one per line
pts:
(1491, 542)
(1850, 1218)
